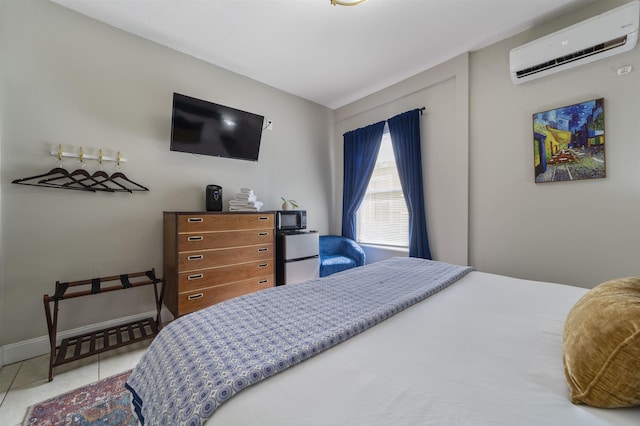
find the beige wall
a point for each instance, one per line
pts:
(70, 80)
(579, 233)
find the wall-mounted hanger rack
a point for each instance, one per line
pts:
(82, 180)
(82, 156)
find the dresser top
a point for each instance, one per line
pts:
(206, 212)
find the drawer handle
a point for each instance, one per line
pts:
(197, 238)
(195, 257)
(262, 234)
(195, 277)
(195, 296)
(263, 218)
(263, 281)
(263, 265)
(195, 219)
(263, 249)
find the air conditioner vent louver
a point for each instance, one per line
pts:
(593, 50)
(610, 33)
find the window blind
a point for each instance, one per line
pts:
(383, 218)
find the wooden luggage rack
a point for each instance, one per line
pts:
(82, 346)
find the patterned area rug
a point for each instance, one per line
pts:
(103, 403)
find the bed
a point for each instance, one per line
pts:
(482, 349)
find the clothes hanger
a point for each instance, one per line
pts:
(101, 177)
(120, 175)
(55, 171)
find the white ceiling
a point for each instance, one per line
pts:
(332, 55)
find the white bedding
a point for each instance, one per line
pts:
(485, 351)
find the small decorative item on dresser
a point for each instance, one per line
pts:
(213, 198)
(289, 204)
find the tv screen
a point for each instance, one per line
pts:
(201, 127)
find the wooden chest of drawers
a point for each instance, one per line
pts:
(211, 257)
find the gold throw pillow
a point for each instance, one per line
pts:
(601, 345)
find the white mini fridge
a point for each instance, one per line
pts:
(297, 256)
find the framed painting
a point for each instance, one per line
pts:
(569, 143)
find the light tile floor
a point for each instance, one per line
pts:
(25, 383)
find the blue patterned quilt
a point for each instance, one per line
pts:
(199, 361)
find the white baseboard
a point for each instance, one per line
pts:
(16, 352)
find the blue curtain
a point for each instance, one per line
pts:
(405, 139)
(361, 148)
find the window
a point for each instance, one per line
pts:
(383, 218)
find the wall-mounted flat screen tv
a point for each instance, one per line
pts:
(202, 127)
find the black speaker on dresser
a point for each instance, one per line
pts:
(214, 198)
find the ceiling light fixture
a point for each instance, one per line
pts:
(347, 3)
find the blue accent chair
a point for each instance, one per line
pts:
(339, 254)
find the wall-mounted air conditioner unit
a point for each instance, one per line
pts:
(604, 35)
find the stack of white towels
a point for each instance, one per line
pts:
(245, 201)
